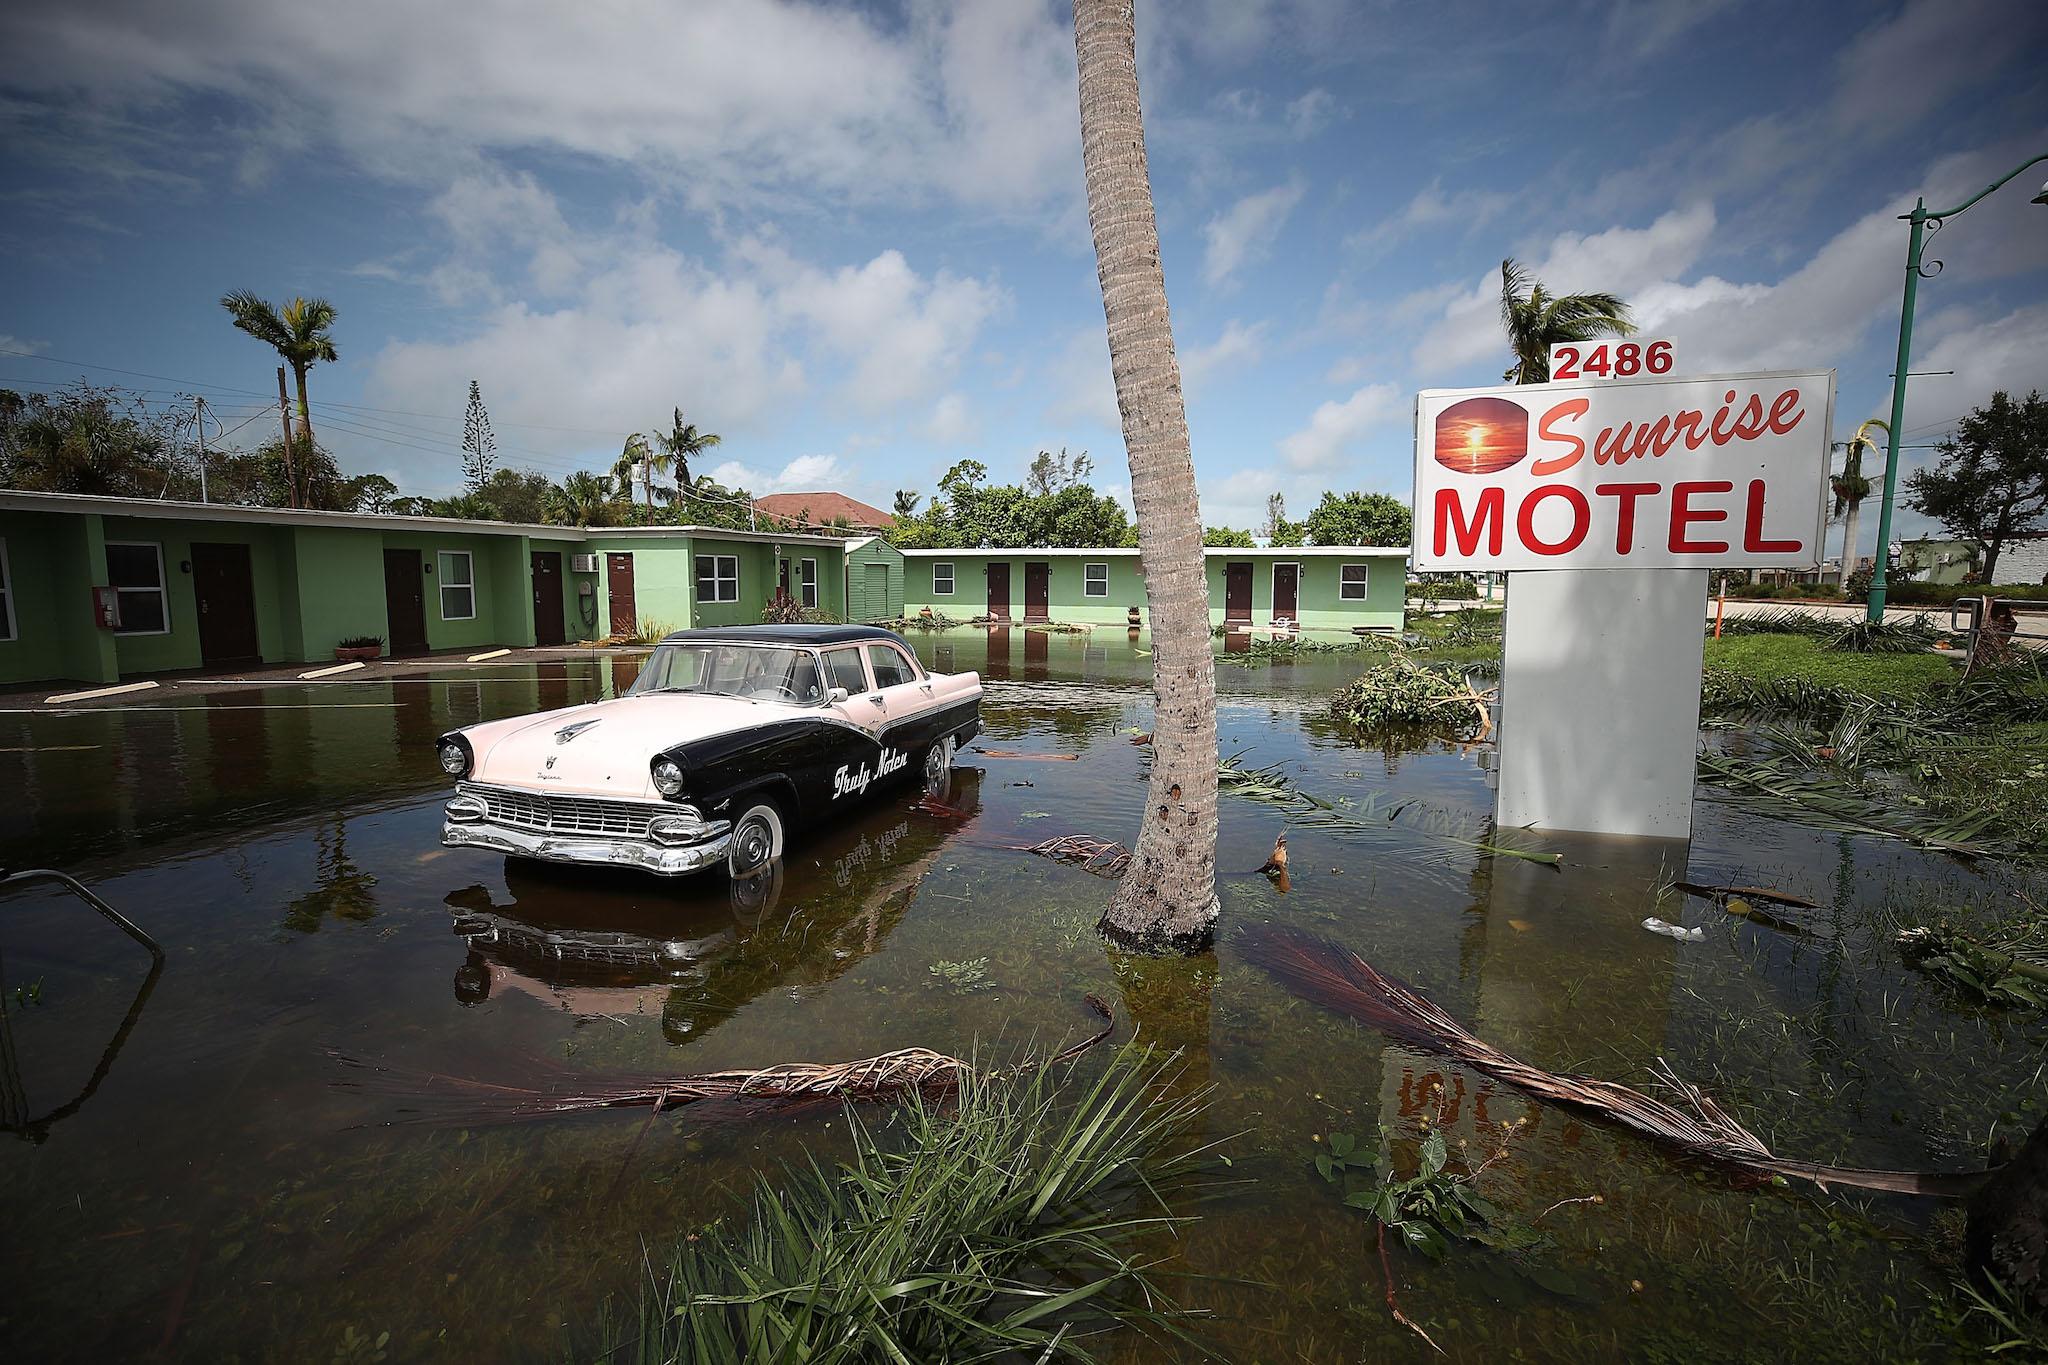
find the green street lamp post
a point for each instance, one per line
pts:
(1919, 218)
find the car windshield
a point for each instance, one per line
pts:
(757, 672)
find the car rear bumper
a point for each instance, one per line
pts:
(588, 850)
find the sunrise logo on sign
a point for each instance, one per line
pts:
(1482, 436)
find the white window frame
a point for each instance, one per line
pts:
(10, 627)
(444, 558)
(725, 587)
(162, 588)
(1088, 579)
(1345, 585)
(947, 566)
(807, 582)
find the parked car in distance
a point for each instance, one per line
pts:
(726, 742)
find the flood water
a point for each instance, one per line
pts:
(226, 1189)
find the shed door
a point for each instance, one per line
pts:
(999, 590)
(226, 596)
(548, 628)
(1286, 591)
(1037, 590)
(1237, 592)
(878, 606)
(405, 601)
(618, 576)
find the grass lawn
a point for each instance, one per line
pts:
(1765, 658)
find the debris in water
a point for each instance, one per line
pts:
(1754, 893)
(1276, 862)
(1046, 758)
(1677, 931)
(1340, 980)
(1103, 857)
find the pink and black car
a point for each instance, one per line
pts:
(726, 742)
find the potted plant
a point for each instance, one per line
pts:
(359, 649)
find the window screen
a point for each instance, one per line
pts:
(1095, 582)
(942, 580)
(718, 578)
(807, 591)
(458, 586)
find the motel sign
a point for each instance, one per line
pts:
(1653, 473)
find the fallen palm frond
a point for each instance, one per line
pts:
(1044, 758)
(1004, 1226)
(2001, 968)
(1856, 636)
(913, 1070)
(1724, 691)
(1398, 691)
(1274, 788)
(1103, 857)
(1785, 787)
(1287, 648)
(1755, 893)
(1340, 980)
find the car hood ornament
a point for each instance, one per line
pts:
(569, 732)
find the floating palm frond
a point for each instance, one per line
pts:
(1340, 980)
(1103, 857)
(1785, 787)
(466, 1100)
(1371, 814)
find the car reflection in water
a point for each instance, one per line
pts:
(594, 942)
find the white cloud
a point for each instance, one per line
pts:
(1895, 73)
(1244, 232)
(1432, 207)
(1311, 113)
(740, 100)
(1236, 346)
(2009, 352)
(1336, 427)
(1080, 383)
(21, 345)
(951, 422)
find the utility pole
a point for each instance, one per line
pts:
(284, 410)
(199, 426)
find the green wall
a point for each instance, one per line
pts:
(885, 604)
(1319, 606)
(52, 565)
(665, 578)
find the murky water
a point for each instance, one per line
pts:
(224, 1192)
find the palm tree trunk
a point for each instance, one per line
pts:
(1168, 897)
(1849, 541)
(306, 430)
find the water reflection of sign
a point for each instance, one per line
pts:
(1652, 473)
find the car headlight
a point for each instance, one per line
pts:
(668, 776)
(454, 759)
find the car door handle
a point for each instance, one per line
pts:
(878, 700)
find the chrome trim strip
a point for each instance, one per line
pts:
(589, 852)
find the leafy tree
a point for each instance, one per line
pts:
(1359, 519)
(1288, 534)
(1168, 897)
(1052, 473)
(1227, 537)
(679, 445)
(1992, 480)
(299, 334)
(968, 512)
(411, 506)
(479, 445)
(1535, 320)
(85, 439)
(516, 495)
(371, 493)
(583, 499)
(1276, 515)
(906, 502)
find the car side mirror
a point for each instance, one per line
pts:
(836, 695)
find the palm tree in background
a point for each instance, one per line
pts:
(1168, 897)
(1851, 488)
(634, 461)
(906, 503)
(1535, 321)
(583, 499)
(299, 334)
(679, 445)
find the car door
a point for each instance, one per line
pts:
(846, 669)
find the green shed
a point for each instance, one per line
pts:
(874, 580)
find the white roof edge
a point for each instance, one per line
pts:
(1209, 551)
(714, 532)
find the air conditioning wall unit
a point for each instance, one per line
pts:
(583, 563)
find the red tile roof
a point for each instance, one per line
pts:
(824, 508)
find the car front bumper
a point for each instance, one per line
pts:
(588, 850)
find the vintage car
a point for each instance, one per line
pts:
(726, 742)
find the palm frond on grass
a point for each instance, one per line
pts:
(1338, 979)
(914, 1071)
(1006, 1226)
(1780, 786)
(1308, 811)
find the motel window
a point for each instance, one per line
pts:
(135, 570)
(942, 580)
(1095, 580)
(6, 597)
(1351, 587)
(807, 588)
(718, 578)
(458, 586)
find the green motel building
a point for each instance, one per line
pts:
(1320, 587)
(98, 589)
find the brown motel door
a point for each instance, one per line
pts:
(405, 601)
(618, 577)
(227, 604)
(1286, 591)
(547, 598)
(1237, 592)
(999, 591)
(1037, 590)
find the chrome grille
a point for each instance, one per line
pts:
(546, 813)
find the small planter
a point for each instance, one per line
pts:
(357, 654)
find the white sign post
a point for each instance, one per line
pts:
(1607, 503)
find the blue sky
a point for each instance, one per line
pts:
(851, 239)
